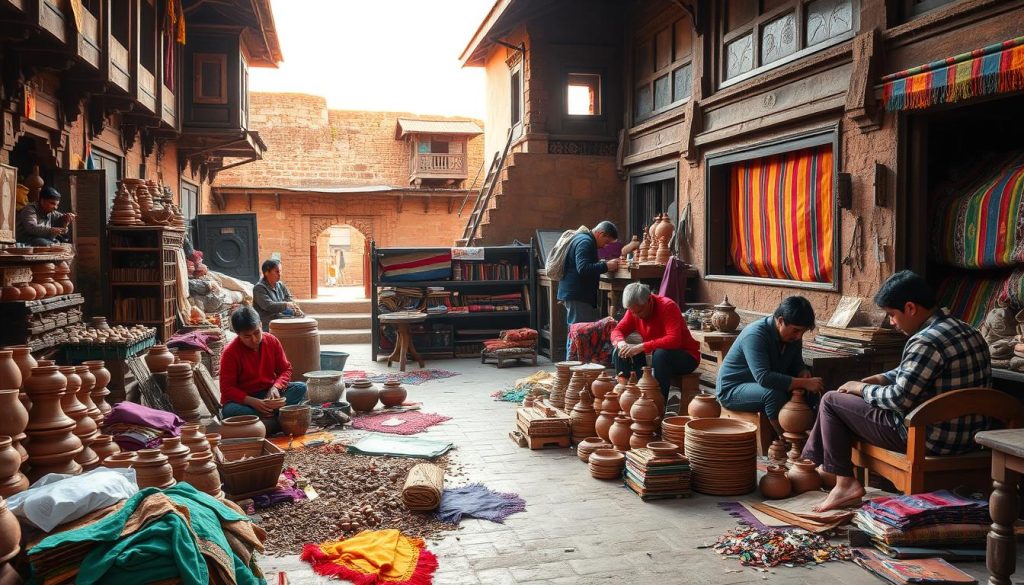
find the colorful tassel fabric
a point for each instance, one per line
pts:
(374, 557)
(781, 214)
(990, 70)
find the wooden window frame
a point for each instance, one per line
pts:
(755, 27)
(181, 191)
(200, 59)
(517, 105)
(643, 177)
(650, 34)
(598, 88)
(716, 207)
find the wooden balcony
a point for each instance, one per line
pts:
(88, 39)
(145, 93)
(438, 166)
(168, 107)
(119, 71)
(15, 6)
(50, 17)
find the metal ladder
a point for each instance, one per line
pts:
(484, 196)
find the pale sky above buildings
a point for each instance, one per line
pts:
(384, 55)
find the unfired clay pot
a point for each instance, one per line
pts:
(243, 427)
(704, 406)
(393, 393)
(803, 476)
(775, 485)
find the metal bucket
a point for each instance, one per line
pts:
(333, 360)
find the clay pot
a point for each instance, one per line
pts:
(177, 456)
(704, 406)
(393, 393)
(362, 395)
(10, 533)
(85, 393)
(796, 416)
(63, 277)
(120, 460)
(663, 448)
(582, 418)
(630, 247)
(243, 427)
(22, 355)
(13, 419)
(99, 322)
(775, 485)
(104, 446)
(158, 358)
(28, 292)
(300, 340)
(803, 476)
(52, 446)
(214, 440)
(10, 293)
(11, 479)
(153, 470)
(295, 419)
(85, 427)
(630, 394)
(189, 355)
(42, 275)
(650, 388)
(606, 463)
(41, 292)
(777, 451)
(100, 392)
(606, 419)
(10, 373)
(182, 391)
(725, 318)
(589, 445)
(192, 437)
(202, 474)
(601, 386)
(619, 433)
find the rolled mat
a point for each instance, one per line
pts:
(423, 487)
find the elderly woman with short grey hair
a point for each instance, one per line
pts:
(659, 322)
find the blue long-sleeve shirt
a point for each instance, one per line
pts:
(758, 355)
(582, 271)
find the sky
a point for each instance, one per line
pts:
(383, 55)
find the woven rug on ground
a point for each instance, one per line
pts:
(518, 391)
(478, 501)
(752, 518)
(398, 423)
(374, 556)
(415, 377)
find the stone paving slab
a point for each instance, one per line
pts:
(576, 530)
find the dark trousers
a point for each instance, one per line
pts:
(666, 362)
(843, 418)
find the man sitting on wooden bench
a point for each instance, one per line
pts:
(942, 354)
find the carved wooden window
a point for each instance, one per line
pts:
(760, 34)
(662, 69)
(914, 8)
(211, 78)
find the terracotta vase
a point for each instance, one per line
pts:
(629, 394)
(158, 358)
(192, 437)
(177, 456)
(13, 419)
(775, 485)
(649, 387)
(52, 445)
(189, 355)
(182, 391)
(631, 247)
(104, 446)
(85, 427)
(803, 476)
(120, 460)
(619, 434)
(10, 533)
(601, 386)
(644, 413)
(10, 373)
(202, 474)
(153, 470)
(245, 426)
(22, 355)
(609, 409)
(11, 479)
(582, 417)
(777, 451)
(214, 440)
(704, 406)
(362, 395)
(725, 318)
(85, 393)
(295, 419)
(392, 394)
(100, 393)
(796, 416)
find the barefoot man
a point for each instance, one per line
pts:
(942, 354)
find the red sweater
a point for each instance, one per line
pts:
(664, 329)
(244, 372)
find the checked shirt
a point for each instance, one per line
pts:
(946, 354)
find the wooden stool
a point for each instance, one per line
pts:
(765, 432)
(513, 354)
(403, 340)
(689, 386)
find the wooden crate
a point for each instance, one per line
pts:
(522, 440)
(537, 422)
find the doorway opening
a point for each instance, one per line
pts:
(341, 264)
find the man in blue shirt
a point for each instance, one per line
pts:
(578, 288)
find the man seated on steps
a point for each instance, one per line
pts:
(942, 354)
(253, 368)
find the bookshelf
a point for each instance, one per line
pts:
(143, 270)
(465, 302)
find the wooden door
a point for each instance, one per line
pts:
(85, 194)
(229, 244)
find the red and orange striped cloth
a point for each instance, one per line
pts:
(374, 557)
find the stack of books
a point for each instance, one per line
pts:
(857, 340)
(656, 477)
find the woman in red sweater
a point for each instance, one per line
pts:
(253, 367)
(660, 324)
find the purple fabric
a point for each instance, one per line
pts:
(613, 250)
(137, 414)
(673, 282)
(478, 501)
(193, 340)
(743, 516)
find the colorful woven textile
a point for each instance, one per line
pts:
(984, 228)
(1012, 294)
(478, 501)
(416, 266)
(990, 70)
(398, 423)
(415, 377)
(781, 215)
(592, 342)
(971, 296)
(374, 557)
(915, 510)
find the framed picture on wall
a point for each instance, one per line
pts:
(8, 202)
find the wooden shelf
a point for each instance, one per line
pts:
(153, 298)
(453, 283)
(477, 314)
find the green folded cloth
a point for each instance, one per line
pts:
(399, 446)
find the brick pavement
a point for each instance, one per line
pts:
(576, 530)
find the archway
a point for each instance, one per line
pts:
(339, 250)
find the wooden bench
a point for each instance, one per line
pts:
(765, 432)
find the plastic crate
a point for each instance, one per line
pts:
(77, 354)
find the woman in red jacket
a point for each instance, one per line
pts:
(660, 324)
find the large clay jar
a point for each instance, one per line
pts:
(100, 393)
(120, 460)
(582, 417)
(775, 485)
(13, 419)
(11, 479)
(796, 416)
(202, 474)
(104, 446)
(52, 446)
(362, 395)
(295, 419)
(85, 426)
(246, 426)
(153, 470)
(650, 388)
(85, 393)
(601, 386)
(392, 394)
(704, 405)
(803, 476)
(177, 456)
(22, 355)
(725, 318)
(324, 386)
(158, 358)
(63, 277)
(192, 437)
(629, 394)
(301, 341)
(10, 533)
(609, 409)
(619, 434)
(182, 391)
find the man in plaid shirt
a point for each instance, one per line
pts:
(942, 354)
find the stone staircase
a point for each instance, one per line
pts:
(340, 321)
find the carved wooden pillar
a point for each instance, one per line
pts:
(1001, 545)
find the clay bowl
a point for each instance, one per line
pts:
(589, 445)
(675, 423)
(722, 429)
(274, 403)
(607, 458)
(663, 448)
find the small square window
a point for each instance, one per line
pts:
(583, 94)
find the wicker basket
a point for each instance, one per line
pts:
(249, 467)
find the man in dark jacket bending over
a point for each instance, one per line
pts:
(578, 288)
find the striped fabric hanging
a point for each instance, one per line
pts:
(994, 69)
(781, 216)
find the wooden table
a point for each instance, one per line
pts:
(614, 282)
(1007, 465)
(553, 328)
(403, 340)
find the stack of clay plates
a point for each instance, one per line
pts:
(607, 463)
(723, 456)
(673, 430)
